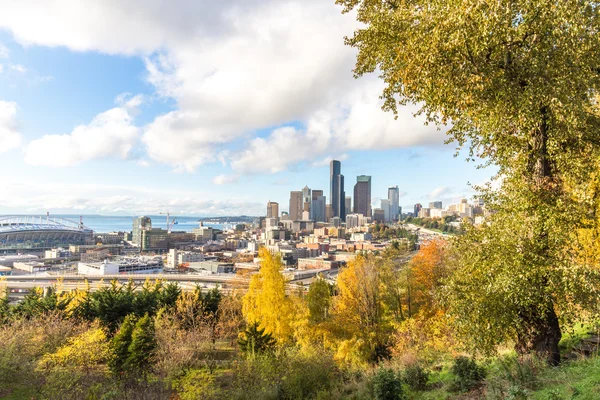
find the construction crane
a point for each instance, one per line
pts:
(170, 222)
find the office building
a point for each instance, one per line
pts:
(385, 206)
(348, 204)
(140, 224)
(435, 204)
(418, 207)
(317, 208)
(362, 195)
(337, 195)
(306, 199)
(295, 205)
(272, 209)
(378, 215)
(394, 198)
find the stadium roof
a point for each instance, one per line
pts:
(24, 223)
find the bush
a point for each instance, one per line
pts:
(467, 374)
(416, 377)
(513, 378)
(387, 385)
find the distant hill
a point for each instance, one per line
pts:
(229, 220)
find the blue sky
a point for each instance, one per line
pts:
(199, 109)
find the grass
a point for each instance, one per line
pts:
(578, 379)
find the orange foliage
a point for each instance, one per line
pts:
(427, 270)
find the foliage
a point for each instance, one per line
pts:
(287, 374)
(255, 341)
(416, 377)
(518, 82)
(387, 385)
(467, 374)
(119, 346)
(83, 351)
(359, 313)
(319, 300)
(142, 347)
(266, 301)
(197, 384)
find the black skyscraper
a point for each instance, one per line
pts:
(338, 195)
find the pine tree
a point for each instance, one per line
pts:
(142, 347)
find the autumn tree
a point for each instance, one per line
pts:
(266, 301)
(359, 312)
(516, 82)
(319, 300)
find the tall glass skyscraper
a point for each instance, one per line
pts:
(394, 198)
(338, 195)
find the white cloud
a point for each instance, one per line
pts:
(110, 134)
(10, 138)
(235, 67)
(17, 68)
(442, 191)
(4, 52)
(20, 197)
(225, 179)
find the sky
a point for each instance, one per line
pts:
(200, 108)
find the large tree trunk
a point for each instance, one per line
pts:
(540, 327)
(540, 335)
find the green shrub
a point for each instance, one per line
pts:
(467, 374)
(387, 385)
(416, 377)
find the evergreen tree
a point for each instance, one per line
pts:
(142, 347)
(120, 346)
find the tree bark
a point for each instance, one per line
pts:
(541, 329)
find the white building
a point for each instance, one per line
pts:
(134, 265)
(175, 258)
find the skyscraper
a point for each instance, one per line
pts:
(272, 209)
(386, 207)
(295, 205)
(317, 208)
(435, 204)
(362, 195)
(140, 224)
(338, 196)
(306, 199)
(348, 204)
(394, 198)
(418, 207)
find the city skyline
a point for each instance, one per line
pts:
(154, 117)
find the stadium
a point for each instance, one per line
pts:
(33, 233)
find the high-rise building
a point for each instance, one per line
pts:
(362, 195)
(306, 199)
(140, 224)
(386, 207)
(272, 209)
(317, 208)
(378, 215)
(394, 198)
(338, 196)
(435, 204)
(348, 204)
(418, 207)
(295, 205)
